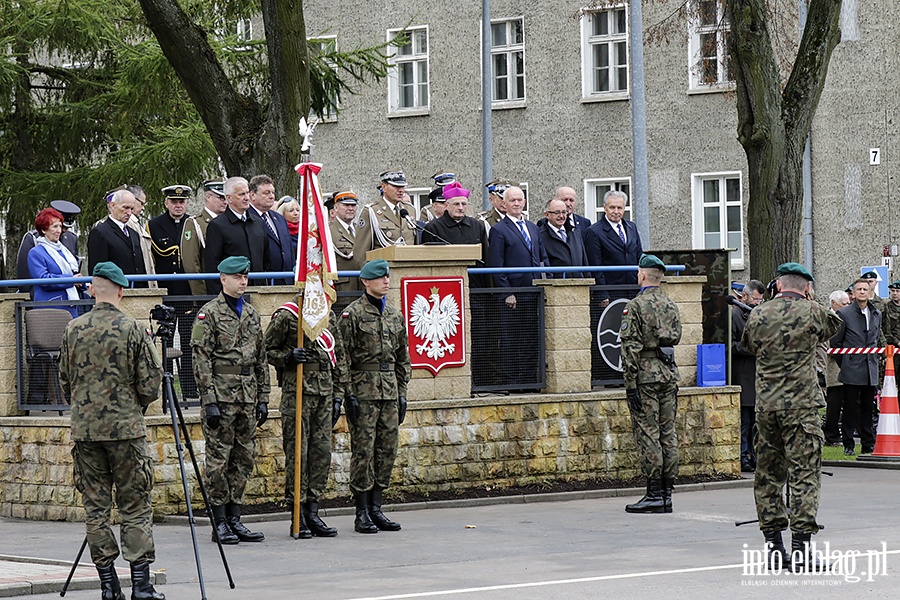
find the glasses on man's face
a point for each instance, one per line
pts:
(556, 212)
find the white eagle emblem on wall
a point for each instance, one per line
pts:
(434, 323)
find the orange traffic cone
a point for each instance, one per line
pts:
(887, 441)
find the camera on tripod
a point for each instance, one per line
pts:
(166, 319)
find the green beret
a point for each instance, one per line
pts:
(869, 275)
(374, 269)
(112, 272)
(234, 265)
(894, 286)
(648, 261)
(792, 268)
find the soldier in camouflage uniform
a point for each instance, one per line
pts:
(233, 381)
(376, 343)
(890, 323)
(651, 326)
(783, 334)
(325, 376)
(112, 370)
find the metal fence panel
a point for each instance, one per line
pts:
(508, 346)
(602, 374)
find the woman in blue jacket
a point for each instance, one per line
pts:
(50, 260)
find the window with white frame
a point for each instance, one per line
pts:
(408, 78)
(507, 61)
(324, 45)
(710, 31)
(595, 189)
(419, 198)
(245, 30)
(604, 53)
(717, 213)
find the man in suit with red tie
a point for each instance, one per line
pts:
(113, 241)
(564, 244)
(612, 242)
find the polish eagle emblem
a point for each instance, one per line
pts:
(434, 320)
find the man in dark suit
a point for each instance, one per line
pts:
(516, 242)
(573, 220)
(113, 241)
(861, 328)
(565, 247)
(235, 233)
(613, 242)
(281, 250)
(165, 236)
(193, 242)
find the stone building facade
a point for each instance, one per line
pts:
(562, 115)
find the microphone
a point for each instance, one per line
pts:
(415, 225)
(738, 303)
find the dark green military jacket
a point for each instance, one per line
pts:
(783, 334)
(319, 376)
(377, 348)
(111, 368)
(890, 323)
(650, 321)
(229, 354)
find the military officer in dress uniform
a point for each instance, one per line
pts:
(343, 236)
(233, 379)
(325, 377)
(193, 241)
(380, 224)
(376, 342)
(783, 333)
(165, 236)
(496, 213)
(651, 326)
(110, 368)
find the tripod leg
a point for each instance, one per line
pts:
(74, 566)
(173, 405)
(186, 436)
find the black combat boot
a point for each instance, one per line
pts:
(141, 588)
(668, 486)
(110, 588)
(776, 553)
(316, 525)
(802, 558)
(233, 518)
(652, 502)
(221, 528)
(381, 521)
(363, 523)
(303, 533)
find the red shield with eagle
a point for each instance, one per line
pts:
(434, 311)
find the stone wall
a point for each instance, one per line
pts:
(449, 444)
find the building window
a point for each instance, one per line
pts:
(710, 32)
(717, 213)
(507, 61)
(323, 46)
(595, 189)
(244, 30)
(418, 197)
(604, 52)
(408, 78)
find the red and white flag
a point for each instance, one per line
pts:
(316, 270)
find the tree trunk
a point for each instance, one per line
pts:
(773, 125)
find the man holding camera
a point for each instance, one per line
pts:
(325, 377)
(112, 371)
(233, 381)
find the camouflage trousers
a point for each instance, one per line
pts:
(788, 450)
(654, 430)
(315, 446)
(373, 444)
(126, 464)
(230, 453)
